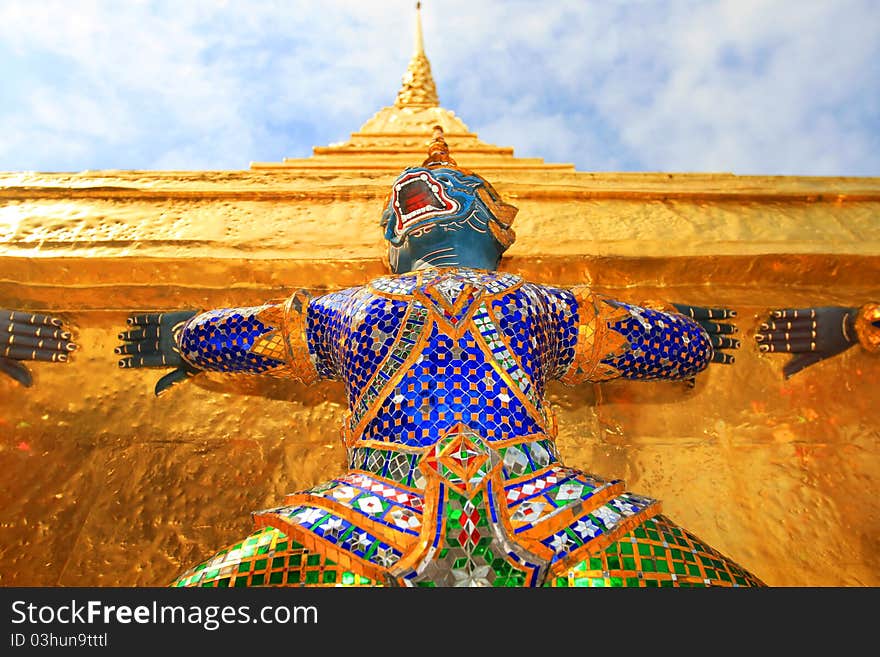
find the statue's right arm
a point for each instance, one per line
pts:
(292, 339)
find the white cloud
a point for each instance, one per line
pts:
(716, 85)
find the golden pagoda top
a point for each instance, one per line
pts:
(396, 136)
(418, 85)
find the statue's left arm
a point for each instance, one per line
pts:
(598, 338)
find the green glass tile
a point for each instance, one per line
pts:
(257, 580)
(632, 581)
(442, 553)
(595, 563)
(667, 583)
(347, 578)
(739, 580)
(689, 557)
(597, 582)
(281, 546)
(626, 548)
(711, 574)
(295, 560)
(263, 549)
(613, 563)
(629, 563)
(581, 565)
(241, 582)
(662, 566)
(329, 577)
(723, 574)
(364, 580)
(460, 563)
(426, 584)
(244, 567)
(694, 570)
(659, 551)
(640, 532)
(313, 560)
(278, 562)
(644, 550)
(293, 577)
(611, 549)
(581, 582)
(561, 581)
(676, 554)
(211, 574)
(652, 583)
(329, 562)
(648, 565)
(206, 585)
(277, 577)
(616, 581)
(260, 564)
(313, 576)
(678, 567)
(223, 583)
(201, 566)
(653, 535)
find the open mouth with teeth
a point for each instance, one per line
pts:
(419, 196)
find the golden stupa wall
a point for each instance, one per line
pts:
(105, 484)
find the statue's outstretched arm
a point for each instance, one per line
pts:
(602, 339)
(814, 334)
(270, 339)
(28, 336)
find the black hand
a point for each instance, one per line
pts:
(713, 321)
(812, 334)
(31, 336)
(153, 342)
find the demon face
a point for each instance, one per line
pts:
(443, 216)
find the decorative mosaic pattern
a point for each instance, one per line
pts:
(347, 536)
(602, 520)
(326, 317)
(269, 558)
(451, 383)
(469, 553)
(524, 458)
(657, 553)
(222, 341)
(392, 362)
(662, 345)
(544, 497)
(399, 467)
(504, 357)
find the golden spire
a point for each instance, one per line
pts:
(418, 88)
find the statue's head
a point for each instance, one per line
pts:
(440, 215)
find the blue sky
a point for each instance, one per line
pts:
(786, 87)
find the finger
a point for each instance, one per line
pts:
(145, 319)
(139, 347)
(787, 325)
(139, 333)
(699, 313)
(721, 329)
(776, 336)
(724, 343)
(794, 313)
(798, 363)
(169, 380)
(30, 353)
(38, 343)
(38, 331)
(152, 360)
(32, 319)
(801, 345)
(721, 357)
(17, 371)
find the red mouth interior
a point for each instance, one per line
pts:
(416, 195)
